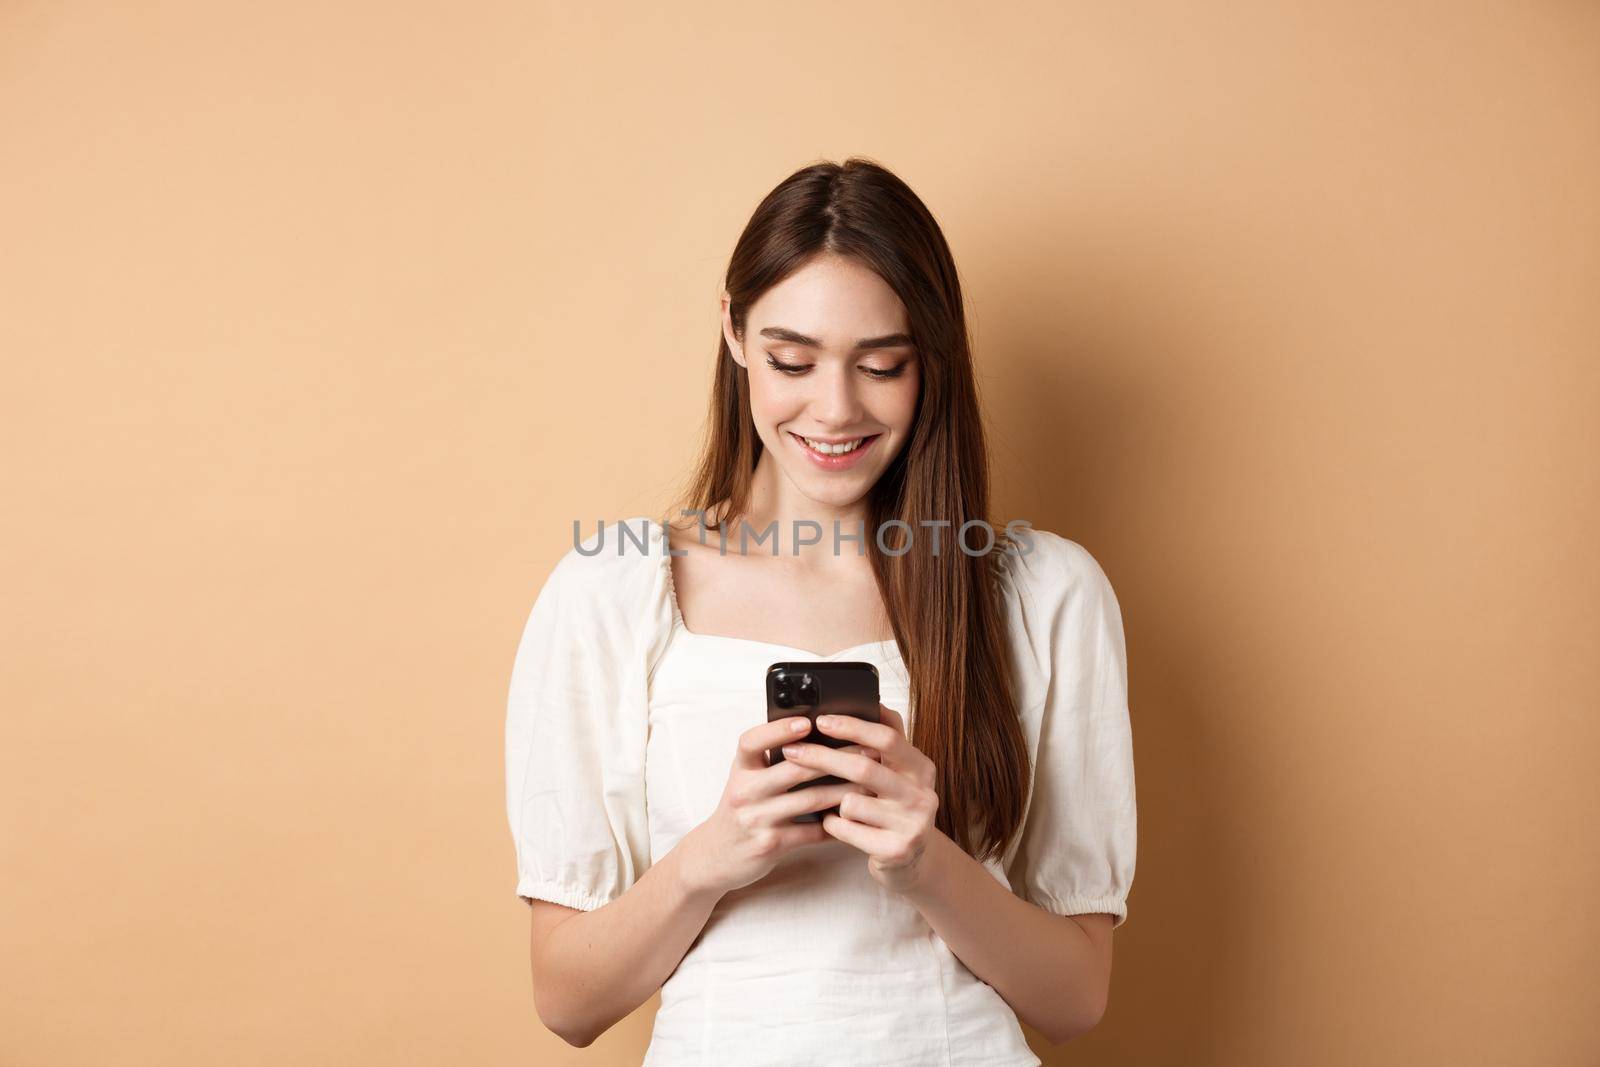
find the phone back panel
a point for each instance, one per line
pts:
(847, 687)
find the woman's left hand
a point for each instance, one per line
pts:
(895, 825)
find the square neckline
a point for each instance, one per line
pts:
(683, 627)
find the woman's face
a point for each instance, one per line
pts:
(855, 380)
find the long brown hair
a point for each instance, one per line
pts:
(944, 610)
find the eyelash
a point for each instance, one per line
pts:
(795, 369)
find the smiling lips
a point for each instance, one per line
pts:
(835, 456)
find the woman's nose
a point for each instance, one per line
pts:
(839, 404)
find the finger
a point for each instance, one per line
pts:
(869, 839)
(812, 798)
(756, 741)
(786, 774)
(851, 766)
(882, 735)
(775, 756)
(893, 718)
(798, 835)
(873, 811)
(904, 756)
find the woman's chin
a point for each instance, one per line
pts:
(830, 490)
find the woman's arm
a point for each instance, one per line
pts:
(1053, 970)
(592, 968)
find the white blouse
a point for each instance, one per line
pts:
(620, 732)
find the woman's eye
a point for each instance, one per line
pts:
(801, 368)
(787, 368)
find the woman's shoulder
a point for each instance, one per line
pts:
(613, 546)
(617, 563)
(1043, 566)
(1060, 608)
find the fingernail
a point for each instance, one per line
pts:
(824, 721)
(800, 726)
(793, 750)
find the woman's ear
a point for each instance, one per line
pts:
(727, 332)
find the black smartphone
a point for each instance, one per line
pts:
(820, 688)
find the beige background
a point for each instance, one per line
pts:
(321, 323)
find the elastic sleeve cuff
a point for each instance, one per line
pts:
(1111, 905)
(570, 896)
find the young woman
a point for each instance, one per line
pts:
(984, 843)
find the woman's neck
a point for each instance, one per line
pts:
(776, 503)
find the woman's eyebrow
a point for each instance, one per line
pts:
(888, 340)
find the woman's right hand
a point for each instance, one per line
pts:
(752, 828)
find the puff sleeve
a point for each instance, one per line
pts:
(1077, 848)
(575, 739)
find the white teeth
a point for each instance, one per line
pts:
(833, 450)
